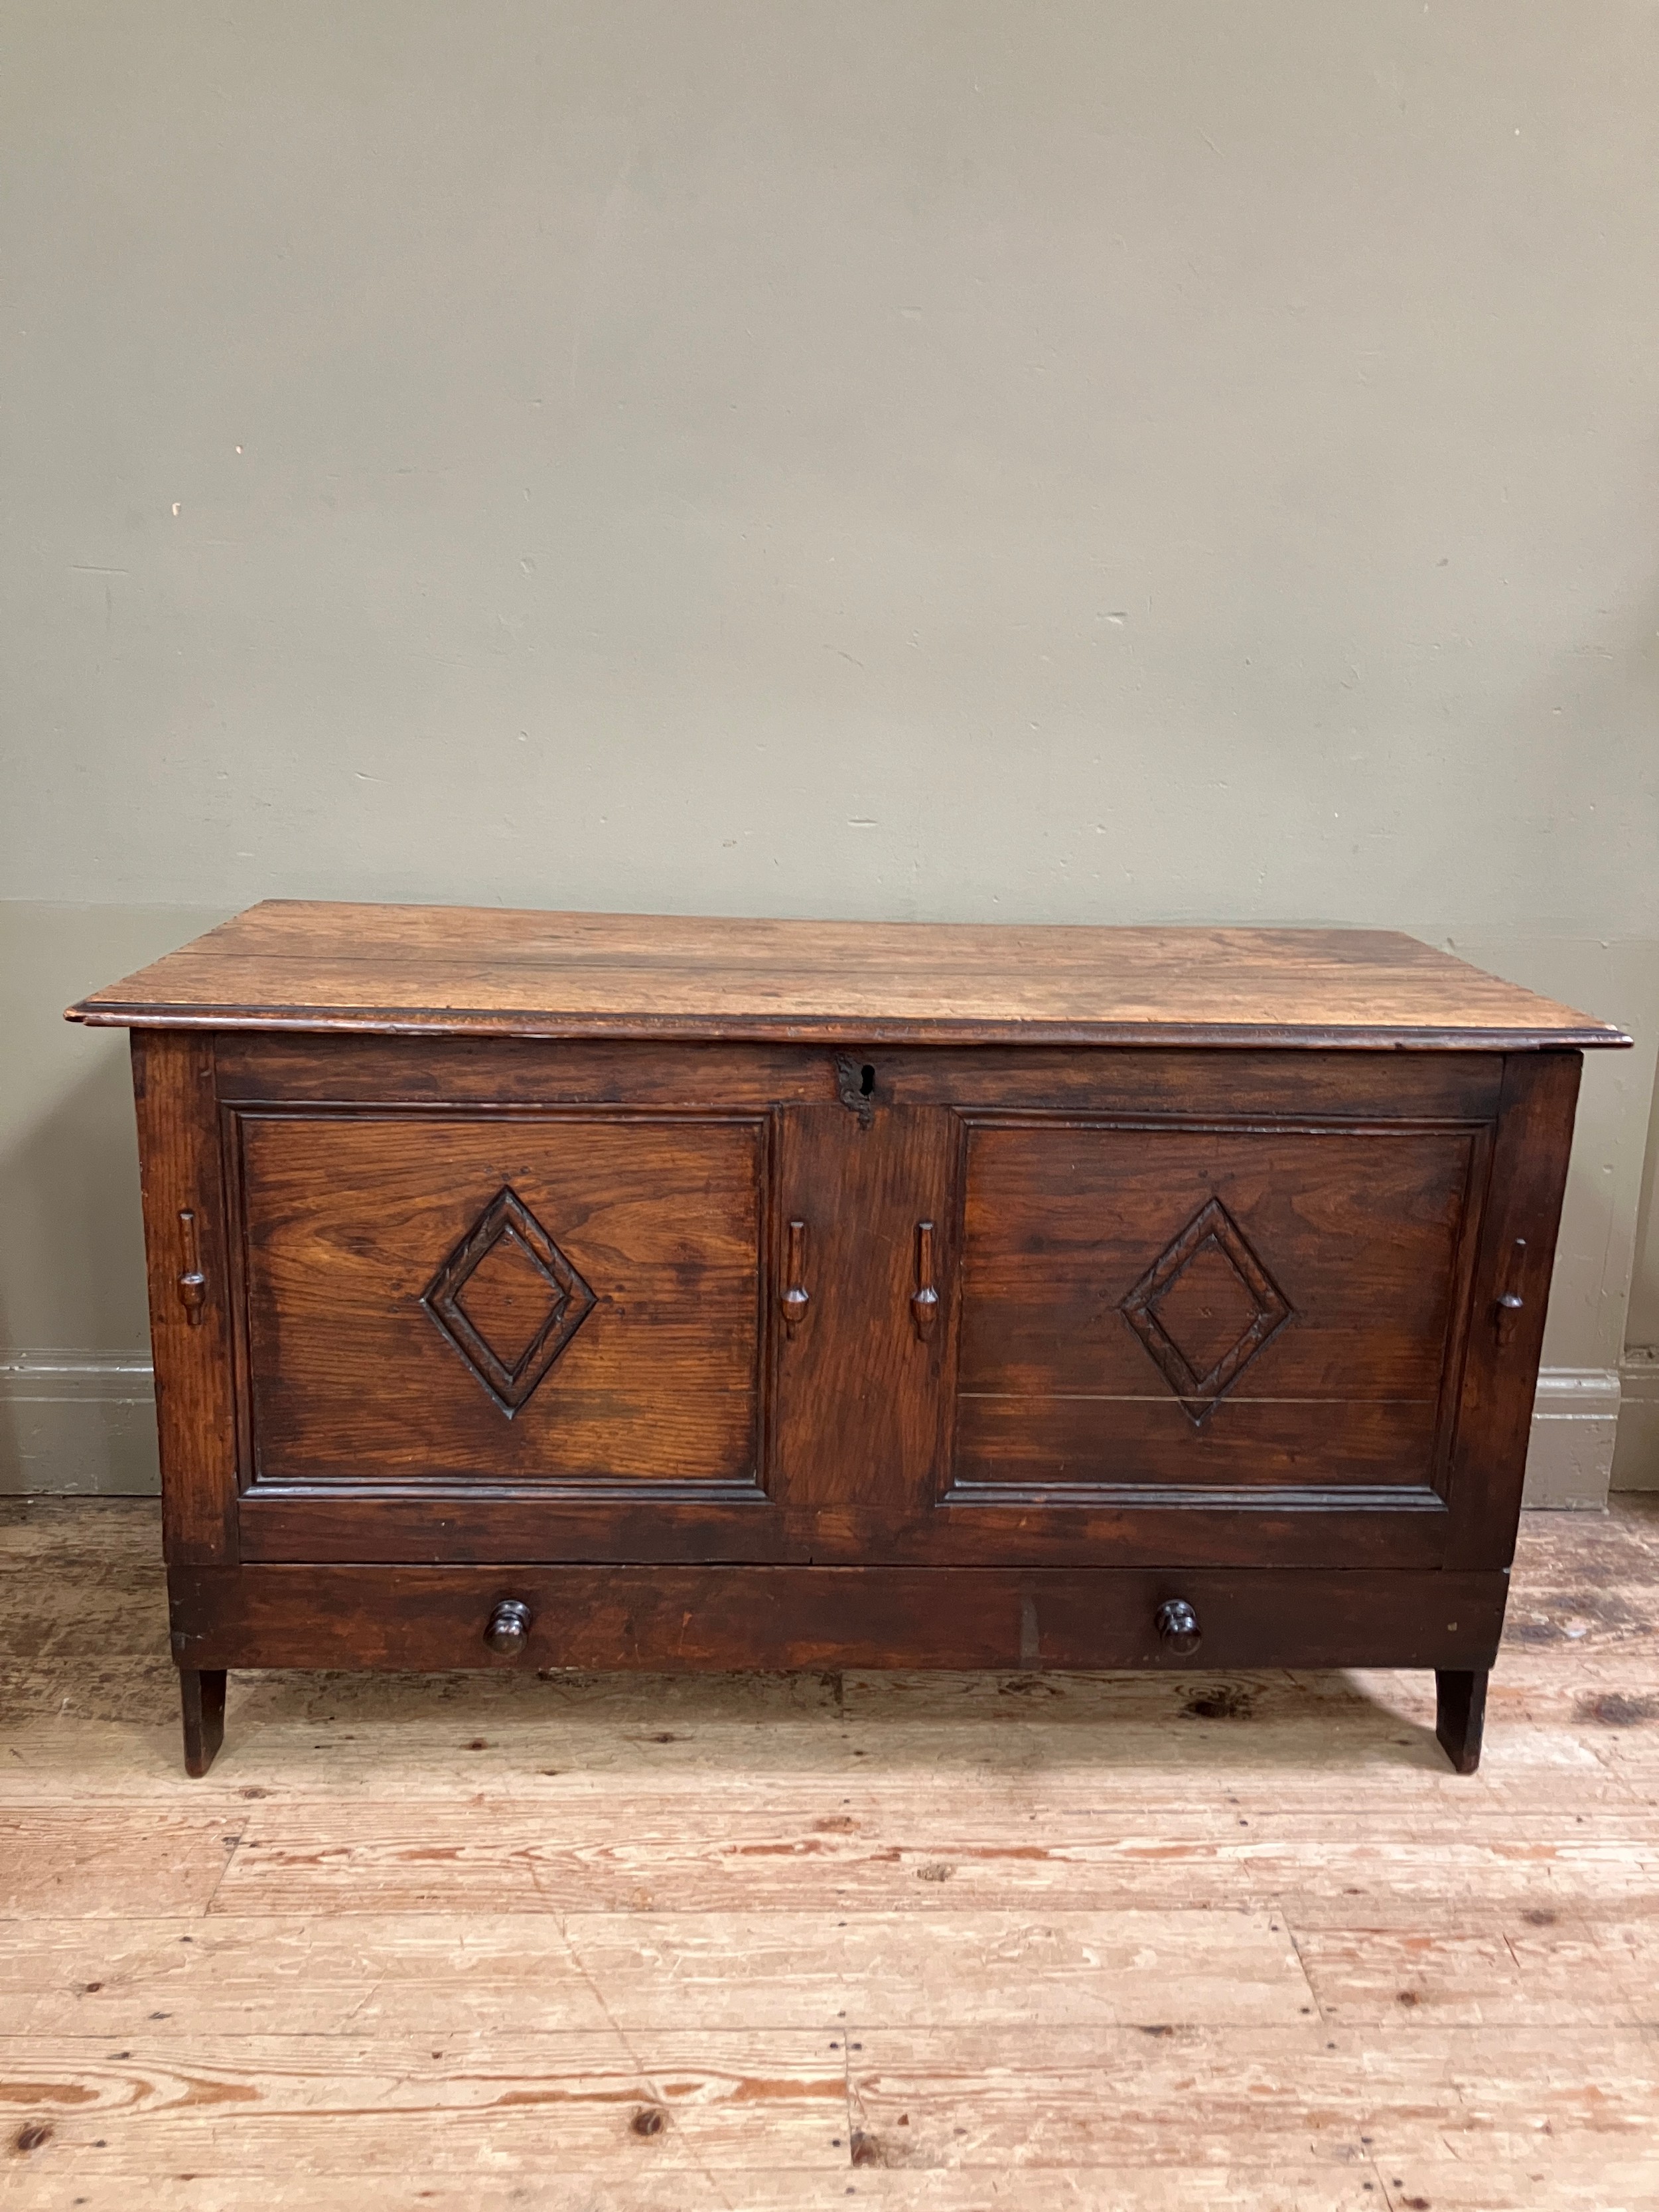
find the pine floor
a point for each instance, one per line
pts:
(578, 1944)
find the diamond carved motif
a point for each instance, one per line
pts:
(559, 1302)
(1212, 1264)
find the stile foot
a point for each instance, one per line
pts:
(202, 1698)
(1461, 1715)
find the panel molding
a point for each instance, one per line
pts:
(281, 1489)
(1214, 1228)
(1214, 1223)
(510, 1384)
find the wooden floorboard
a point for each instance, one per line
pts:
(946, 1943)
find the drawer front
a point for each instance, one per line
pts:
(563, 1306)
(1212, 1309)
(676, 1620)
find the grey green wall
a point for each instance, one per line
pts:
(1150, 460)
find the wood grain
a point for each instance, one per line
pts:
(858, 1404)
(1128, 1448)
(55, 1860)
(1572, 1971)
(254, 1068)
(429, 1972)
(301, 965)
(1049, 1939)
(1032, 1410)
(671, 1618)
(637, 1268)
(1235, 2187)
(525, 2104)
(181, 1172)
(348, 1219)
(1494, 1420)
(1468, 2091)
(1358, 1229)
(1039, 1851)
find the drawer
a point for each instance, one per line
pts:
(676, 1619)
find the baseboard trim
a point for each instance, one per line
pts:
(77, 1423)
(83, 1423)
(1636, 1461)
(1575, 1425)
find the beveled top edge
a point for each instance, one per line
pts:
(301, 965)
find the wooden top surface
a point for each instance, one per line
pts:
(291, 965)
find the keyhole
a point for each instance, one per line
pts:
(855, 1087)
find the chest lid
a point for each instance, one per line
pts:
(484, 971)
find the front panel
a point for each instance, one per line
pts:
(550, 1300)
(547, 1325)
(1148, 1307)
(504, 1301)
(1280, 1310)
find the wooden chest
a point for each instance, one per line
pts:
(593, 1290)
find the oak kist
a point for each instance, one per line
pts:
(617, 1291)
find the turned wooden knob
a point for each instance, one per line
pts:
(509, 1627)
(1177, 1624)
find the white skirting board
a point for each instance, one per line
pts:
(1574, 1423)
(79, 1423)
(1636, 1461)
(83, 1423)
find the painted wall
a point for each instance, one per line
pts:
(1188, 462)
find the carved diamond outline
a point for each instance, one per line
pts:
(509, 1385)
(1200, 1393)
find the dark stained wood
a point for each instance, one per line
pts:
(1518, 1253)
(357, 1375)
(1238, 1086)
(470, 1520)
(680, 1619)
(201, 1708)
(1355, 1230)
(1299, 1525)
(294, 964)
(1142, 1525)
(255, 1068)
(1122, 1446)
(182, 1181)
(261, 1067)
(597, 1291)
(857, 1387)
(1461, 1714)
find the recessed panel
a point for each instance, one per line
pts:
(1210, 1307)
(560, 1300)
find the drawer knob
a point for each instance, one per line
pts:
(509, 1627)
(1177, 1624)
